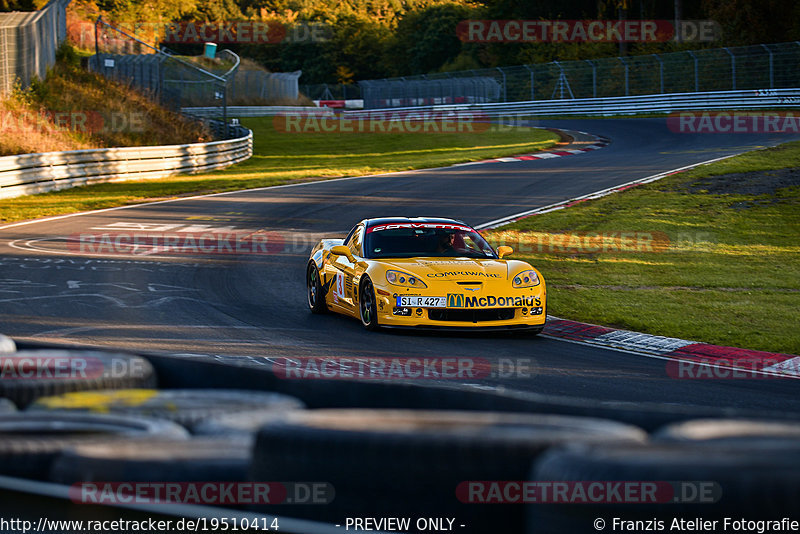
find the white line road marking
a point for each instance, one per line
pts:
(597, 194)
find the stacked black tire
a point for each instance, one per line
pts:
(114, 425)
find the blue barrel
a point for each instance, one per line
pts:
(211, 50)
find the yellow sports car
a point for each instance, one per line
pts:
(424, 273)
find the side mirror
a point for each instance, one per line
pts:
(504, 251)
(341, 250)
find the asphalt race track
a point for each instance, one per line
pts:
(254, 305)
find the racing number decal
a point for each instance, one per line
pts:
(338, 291)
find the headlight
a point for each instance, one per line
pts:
(526, 279)
(399, 278)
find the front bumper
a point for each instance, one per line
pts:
(460, 319)
(494, 308)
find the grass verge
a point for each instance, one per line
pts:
(281, 158)
(711, 254)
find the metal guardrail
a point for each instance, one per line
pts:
(658, 103)
(258, 111)
(37, 173)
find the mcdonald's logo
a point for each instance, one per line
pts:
(455, 300)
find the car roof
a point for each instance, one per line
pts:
(369, 223)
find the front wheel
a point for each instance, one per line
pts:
(316, 296)
(369, 315)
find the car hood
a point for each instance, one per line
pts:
(454, 269)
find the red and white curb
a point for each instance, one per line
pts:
(600, 142)
(685, 359)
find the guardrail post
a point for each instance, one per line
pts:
(696, 76)
(771, 78)
(531, 71)
(733, 68)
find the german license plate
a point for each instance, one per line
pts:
(422, 302)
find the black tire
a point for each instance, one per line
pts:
(206, 459)
(368, 309)
(536, 331)
(61, 371)
(240, 424)
(747, 433)
(411, 462)
(183, 406)
(30, 441)
(527, 332)
(739, 483)
(6, 406)
(7, 345)
(315, 294)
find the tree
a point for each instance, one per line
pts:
(426, 39)
(745, 22)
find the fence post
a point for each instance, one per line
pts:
(451, 89)
(531, 71)
(504, 83)
(594, 77)
(660, 71)
(733, 68)
(225, 107)
(696, 77)
(96, 41)
(771, 78)
(626, 74)
(562, 81)
(5, 76)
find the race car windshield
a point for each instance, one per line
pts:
(411, 241)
